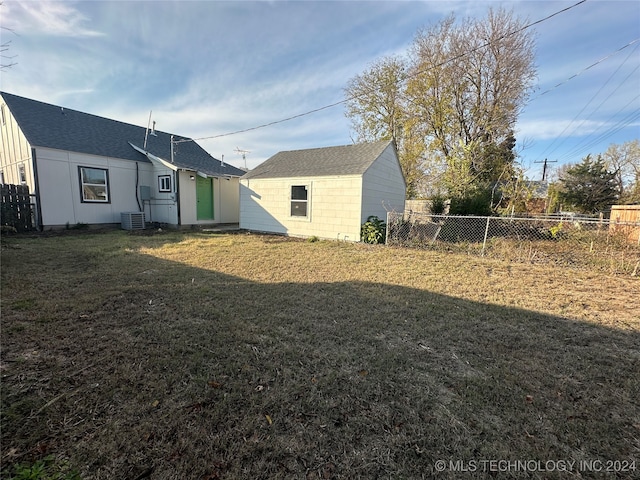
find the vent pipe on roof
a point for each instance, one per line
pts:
(222, 160)
(153, 129)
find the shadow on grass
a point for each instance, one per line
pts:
(169, 371)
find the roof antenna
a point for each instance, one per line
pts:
(146, 133)
(244, 155)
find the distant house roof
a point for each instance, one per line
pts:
(52, 126)
(538, 189)
(319, 162)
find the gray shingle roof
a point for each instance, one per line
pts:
(61, 128)
(320, 162)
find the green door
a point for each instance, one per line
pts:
(204, 197)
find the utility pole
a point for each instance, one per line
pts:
(544, 168)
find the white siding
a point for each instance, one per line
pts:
(162, 207)
(337, 205)
(188, 213)
(14, 151)
(226, 192)
(383, 187)
(226, 200)
(60, 195)
(333, 209)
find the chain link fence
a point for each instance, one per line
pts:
(563, 240)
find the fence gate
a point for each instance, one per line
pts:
(16, 209)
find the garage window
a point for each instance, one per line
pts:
(299, 200)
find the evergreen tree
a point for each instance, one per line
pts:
(588, 186)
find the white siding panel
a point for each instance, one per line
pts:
(333, 207)
(14, 151)
(162, 207)
(60, 188)
(384, 188)
(56, 191)
(188, 213)
(228, 200)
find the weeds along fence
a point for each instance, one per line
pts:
(608, 245)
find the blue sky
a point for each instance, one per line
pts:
(208, 68)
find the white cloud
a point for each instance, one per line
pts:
(48, 18)
(544, 129)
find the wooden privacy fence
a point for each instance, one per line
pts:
(16, 210)
(626, 219)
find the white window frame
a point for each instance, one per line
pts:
(165, 183)
(298, 201)
(93, 186)
(22, 174)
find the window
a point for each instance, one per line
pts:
(22, 175)
(94, 185)
(299, 200)
(164, 183)
(2, 177)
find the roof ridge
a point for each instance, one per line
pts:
(358, 144)
(101, 117)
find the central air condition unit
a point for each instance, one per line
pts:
(132, 220)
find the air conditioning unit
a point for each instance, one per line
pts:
(132, 220)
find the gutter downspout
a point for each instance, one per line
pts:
(137, 184)
(176, 176)
(39, 225)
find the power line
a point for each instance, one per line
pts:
(619, 125)
(353, 97)
(587, 68)
(547, 151)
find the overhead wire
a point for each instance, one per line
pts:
(353, 97)
(619, 125)
(578, 146)
(549, 149)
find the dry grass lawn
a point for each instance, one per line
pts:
(192, 356)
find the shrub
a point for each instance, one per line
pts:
(438, 205)
(373, 230)
(478, 203)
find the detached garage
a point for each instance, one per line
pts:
(325, 192)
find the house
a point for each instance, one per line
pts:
(324, 192)
(85, 169)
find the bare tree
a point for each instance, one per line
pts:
(377, 109)
(469, 82)
(624, 161)
(452, 103)
(7, 60)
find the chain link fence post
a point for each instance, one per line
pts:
(486, 232)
